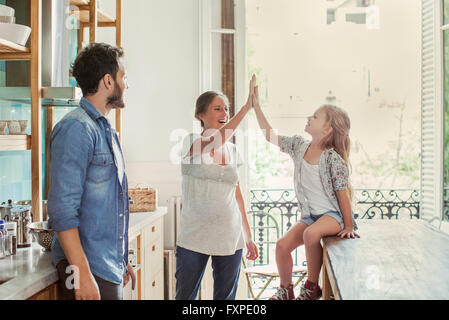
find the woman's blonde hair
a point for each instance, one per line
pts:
(338, 139)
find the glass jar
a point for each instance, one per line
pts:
(2, 240)
(11, 227)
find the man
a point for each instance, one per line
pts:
(88, 198)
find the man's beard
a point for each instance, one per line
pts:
(115, 101)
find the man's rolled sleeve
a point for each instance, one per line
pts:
(70, 154)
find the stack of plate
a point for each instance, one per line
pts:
(10, 31)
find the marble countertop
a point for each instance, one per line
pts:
(140, 220)
(31, 270)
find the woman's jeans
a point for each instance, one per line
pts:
(190, 268)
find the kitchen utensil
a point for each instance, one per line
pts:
(11, 227)
(43, 234)
(22, 215)
(5, 210)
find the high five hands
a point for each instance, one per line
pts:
(253, 97)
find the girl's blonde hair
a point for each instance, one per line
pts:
(338, 139)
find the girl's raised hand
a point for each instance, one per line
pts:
(348, 233)
(256, 97)
(252, 85)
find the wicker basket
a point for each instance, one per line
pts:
(142, 199)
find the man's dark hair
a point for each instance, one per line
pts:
(93, 63)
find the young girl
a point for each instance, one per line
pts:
(322, 189)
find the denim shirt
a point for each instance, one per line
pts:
(85, 191)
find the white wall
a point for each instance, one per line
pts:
(161, 43)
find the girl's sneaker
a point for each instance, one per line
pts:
(284, 294)
(310, 291)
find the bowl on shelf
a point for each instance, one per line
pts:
(14, 127)
(7, 19)
(6, 11)
(3, 125)
(24, 202)
(43, 234)
(15, 33)
(23, 126)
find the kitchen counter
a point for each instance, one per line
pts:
(31, 270)
(140, 220)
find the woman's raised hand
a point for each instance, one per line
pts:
(252, 85)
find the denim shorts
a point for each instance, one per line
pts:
(334, 214)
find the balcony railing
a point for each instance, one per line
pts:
(446, 204)
(274, 212)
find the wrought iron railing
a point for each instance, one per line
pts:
(446, 204)
(274, 212)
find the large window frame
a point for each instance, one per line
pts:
(433, 113)
(444, 21)
(233, 64)
(233, 83)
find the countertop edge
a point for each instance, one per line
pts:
(50, 274)
(145, 218)
(40, 284)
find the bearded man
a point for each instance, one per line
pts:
(88, 200)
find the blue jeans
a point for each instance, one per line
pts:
(190, 267)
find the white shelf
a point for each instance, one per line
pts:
(15, 142)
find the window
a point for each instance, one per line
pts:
(445, 30)
(353, 11)
(366, 71)
(359, 18)
(330, 16)
(434, 104)
(218, 48)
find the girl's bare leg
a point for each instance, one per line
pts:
(284, 248)
(325, 226)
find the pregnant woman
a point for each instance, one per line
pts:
(213, 218)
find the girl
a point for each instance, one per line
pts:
(213, 219)
(322, 189)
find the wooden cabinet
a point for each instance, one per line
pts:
(128, 292)
(148, 247)
(147, 244)
(135, 259)
(153, 261)
(50, 293)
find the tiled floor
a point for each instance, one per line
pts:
(272, 288)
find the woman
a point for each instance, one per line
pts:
(213, 219)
